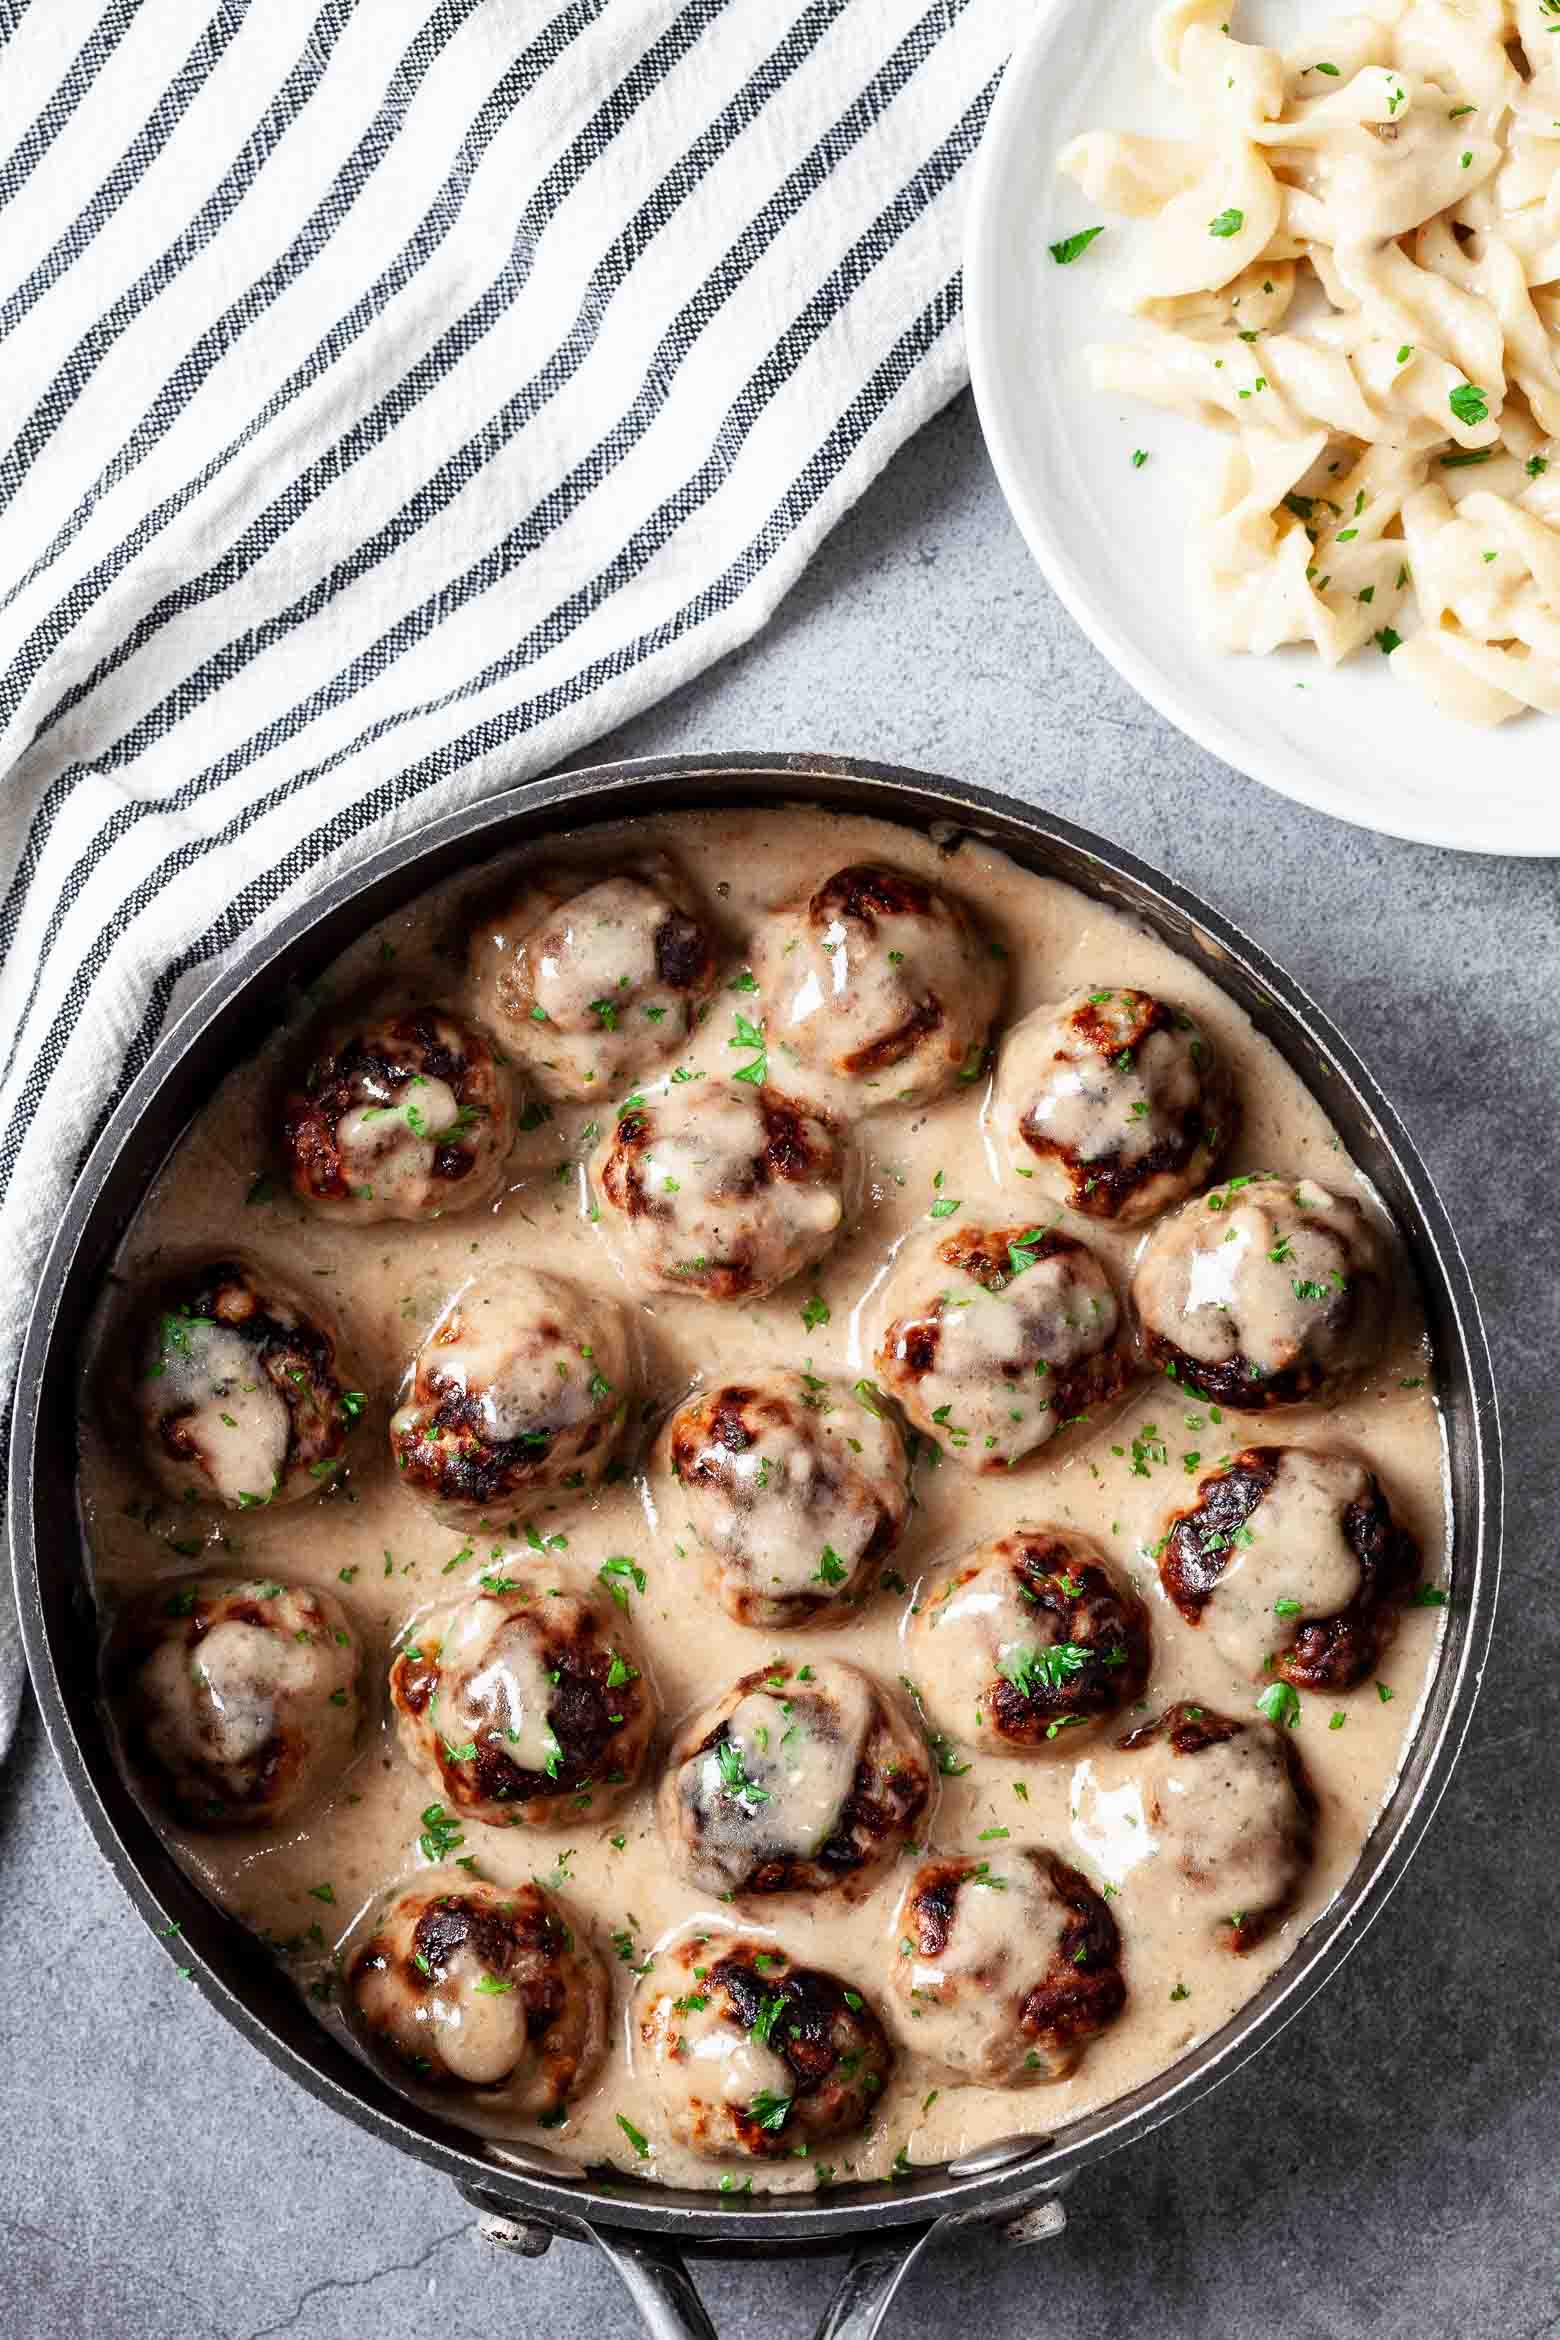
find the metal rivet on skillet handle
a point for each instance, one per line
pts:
(648, 2231)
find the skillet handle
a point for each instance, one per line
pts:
(660, 2286)
(653, 2274)
(869, 2284)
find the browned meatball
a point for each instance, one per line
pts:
(522, 1386)
(751, 2056)
(798, 1779)
(879, 979)
(588, 979)
(1028, 1641)
(1263, 1293)
(1291, 1558)
(523, 1703)
(794, 1491)
(1114, 1102)
(1005, 1969)
(998, 1337)
(1234, 1817)
(236, 1392)
(487, 1988)
(238, 1700)
(406, 1118)
(718, 1190)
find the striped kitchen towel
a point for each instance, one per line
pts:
(399, 395)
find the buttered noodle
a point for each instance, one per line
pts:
(1352, 262)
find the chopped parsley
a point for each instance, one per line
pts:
(750, 1035)
(612, 1573)
(1280, 1702)
(734, 1776)
(1042, 1672)
(1070, 247)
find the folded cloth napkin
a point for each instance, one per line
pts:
(404, 395)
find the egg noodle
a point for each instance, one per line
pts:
(1353, 259)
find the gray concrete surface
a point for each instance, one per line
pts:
(1389, 2167)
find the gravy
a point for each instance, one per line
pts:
(1114, 1478)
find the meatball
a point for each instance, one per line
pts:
(752, 2056)
(1292, 1559)
(521, 1386)
(800, 1779)
(587, 982)
(483, 1987)
(1006, 1975)
(238, 1699)
(236, 1393)
(1115, 1102)
(523, 1704)
(718, 1190)
(794, 1490)
(1232, 1812)
(1264, 1293)
(1029, 1638)
(998, 1337)
(406, 1118)
(880, 980)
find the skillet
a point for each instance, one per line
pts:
(1010, 2189)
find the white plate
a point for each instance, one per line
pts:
(1350, 739)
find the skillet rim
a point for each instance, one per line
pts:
(313, 933)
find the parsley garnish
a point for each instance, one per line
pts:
(1280, 1702)
(750, 1035)
(1070, 247)
(734, 1776)
(1041, 1672)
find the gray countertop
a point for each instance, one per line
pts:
(1389, 2165)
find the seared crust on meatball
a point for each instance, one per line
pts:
(797, 1780)
(587, 979)
(238, 1699)
(1266, 1292)
(524, 1704)
(1235, 1814)
(405, 1118)
(998, 1337)
(1115, 1101)
(236, 1393)
(1032, 1633)
(795, 1492)
(1292, 1557)
(750, 2055)
(879, 978)
(718, 1190)
(521, 1386)
(465, 1985)
(1006, 1969)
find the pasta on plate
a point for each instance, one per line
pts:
(1351, 263)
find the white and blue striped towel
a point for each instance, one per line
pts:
(399, 396)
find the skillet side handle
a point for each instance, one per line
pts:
(652, 2273)
(871, 2281)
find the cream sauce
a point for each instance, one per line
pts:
(1115, 1480)
(231, 1413)
(1294, 1552)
